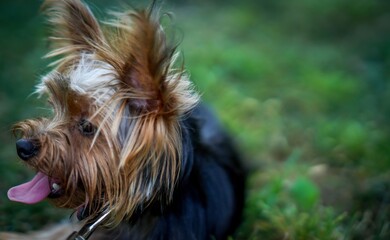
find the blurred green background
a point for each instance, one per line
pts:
(302, 85)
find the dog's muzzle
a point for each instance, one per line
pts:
(26, 148)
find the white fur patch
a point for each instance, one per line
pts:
(92, 77)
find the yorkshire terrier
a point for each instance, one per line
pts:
(129, 138)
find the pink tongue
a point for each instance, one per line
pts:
(31, 192)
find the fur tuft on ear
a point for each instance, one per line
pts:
(75, 28)
(146, 59)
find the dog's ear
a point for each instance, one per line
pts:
(146, 59)
(75, 28)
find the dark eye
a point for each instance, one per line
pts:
(86, 128)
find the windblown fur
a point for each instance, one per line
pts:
(127, 132)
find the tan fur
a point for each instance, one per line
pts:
(117, 168)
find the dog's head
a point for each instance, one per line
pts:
(114, 137)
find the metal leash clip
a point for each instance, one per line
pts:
(87, 230)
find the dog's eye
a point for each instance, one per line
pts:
(86, 128)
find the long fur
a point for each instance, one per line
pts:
(154, 149)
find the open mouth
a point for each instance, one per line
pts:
(40, 188)
(36, 190)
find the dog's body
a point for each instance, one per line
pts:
(128, 135)
(208, 198)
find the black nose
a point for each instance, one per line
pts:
(26, 149)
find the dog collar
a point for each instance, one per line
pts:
(87, 230)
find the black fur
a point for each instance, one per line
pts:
(209, 198)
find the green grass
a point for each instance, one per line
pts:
(302, 85)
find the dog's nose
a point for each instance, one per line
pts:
(26, 149)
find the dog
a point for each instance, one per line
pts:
(128, 137)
